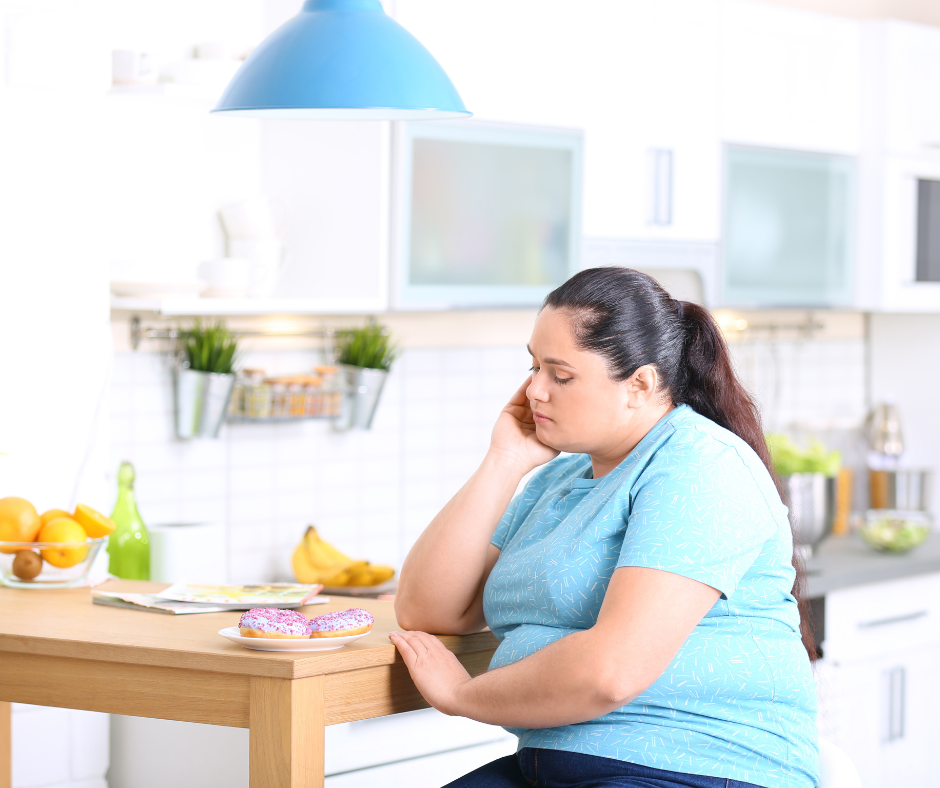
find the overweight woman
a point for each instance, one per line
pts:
(641, 583)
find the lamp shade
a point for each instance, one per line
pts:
(341, 60)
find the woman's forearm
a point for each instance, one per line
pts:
(559, 685)
(442, 575)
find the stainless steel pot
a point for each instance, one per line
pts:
(904, 490)
(812, 506)
(201, 402)
(363, 389)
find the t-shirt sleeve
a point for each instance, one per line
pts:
(701, 515)
(525, 501)
(506, 522)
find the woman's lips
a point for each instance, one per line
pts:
(538, 418)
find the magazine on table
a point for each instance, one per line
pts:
(182, 598)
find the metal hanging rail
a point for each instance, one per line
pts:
(806, 329)
(140, 332)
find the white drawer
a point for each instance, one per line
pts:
(355, 745)
(430, 772)
(875, 619)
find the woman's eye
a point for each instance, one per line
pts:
(562, 381)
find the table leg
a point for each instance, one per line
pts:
(6, 758)
(286, 722)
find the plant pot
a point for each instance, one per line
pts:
(201, 402)
(363, 389)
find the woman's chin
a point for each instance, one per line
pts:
(544, 433)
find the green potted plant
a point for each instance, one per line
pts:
(365, 358)
(204, 379)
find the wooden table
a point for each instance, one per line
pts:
(58, 649)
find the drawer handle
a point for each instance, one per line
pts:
(882, 622)
(895, 702)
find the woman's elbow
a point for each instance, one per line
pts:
(614, 687)
(406, 615)
(412, 618)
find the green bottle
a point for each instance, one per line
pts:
(128, 546)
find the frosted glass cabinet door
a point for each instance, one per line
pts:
(789, 223)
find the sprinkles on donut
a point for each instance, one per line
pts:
(272, 622)
(341, 623)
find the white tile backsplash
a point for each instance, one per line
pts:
(819, 383)
(372, 493)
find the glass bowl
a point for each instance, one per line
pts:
(82, 553)
(893, 531)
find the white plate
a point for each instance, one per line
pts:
(289, 644)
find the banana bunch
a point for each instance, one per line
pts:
(316, 561)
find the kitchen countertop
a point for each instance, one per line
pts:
(843, 561)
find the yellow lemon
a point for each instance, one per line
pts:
(69, 533)
(19, 522)
(53, 514)
(94, 522)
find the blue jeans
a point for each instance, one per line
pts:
(560, 769)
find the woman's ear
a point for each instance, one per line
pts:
(641, 386)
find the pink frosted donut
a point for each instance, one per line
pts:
(342, 623)
(271, 622)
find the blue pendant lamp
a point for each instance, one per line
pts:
(341, 60)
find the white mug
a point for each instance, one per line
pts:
(130, 67)
(267, 257)
(226, 277)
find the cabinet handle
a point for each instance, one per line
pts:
(882, 622)
(895, 681)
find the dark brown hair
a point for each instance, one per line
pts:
(630, 320)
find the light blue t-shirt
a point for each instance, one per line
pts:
(738, 701)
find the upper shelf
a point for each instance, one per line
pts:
(188, 305)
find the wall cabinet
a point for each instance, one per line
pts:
(909, 58)
(636, 76)
(661, 90)
(901, 123)
(878, 687)
(789, 79)
(788, 228)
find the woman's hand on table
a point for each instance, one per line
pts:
(436, 672)
(514, 434)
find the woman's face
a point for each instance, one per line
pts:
(576, 405)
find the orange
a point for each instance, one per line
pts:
(94, 523)
(69, 533)
(53, 514)
(19, 522)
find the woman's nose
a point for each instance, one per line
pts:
(536, 391)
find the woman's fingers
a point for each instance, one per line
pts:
(436, 672)
(404, 648)
(520, 398)
(418, 647)
(518, 405)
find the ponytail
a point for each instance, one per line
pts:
(706, 381)
(630, 320)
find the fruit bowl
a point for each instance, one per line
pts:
(75, 559)
(894, 532)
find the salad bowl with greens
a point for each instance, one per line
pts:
(894, 532)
